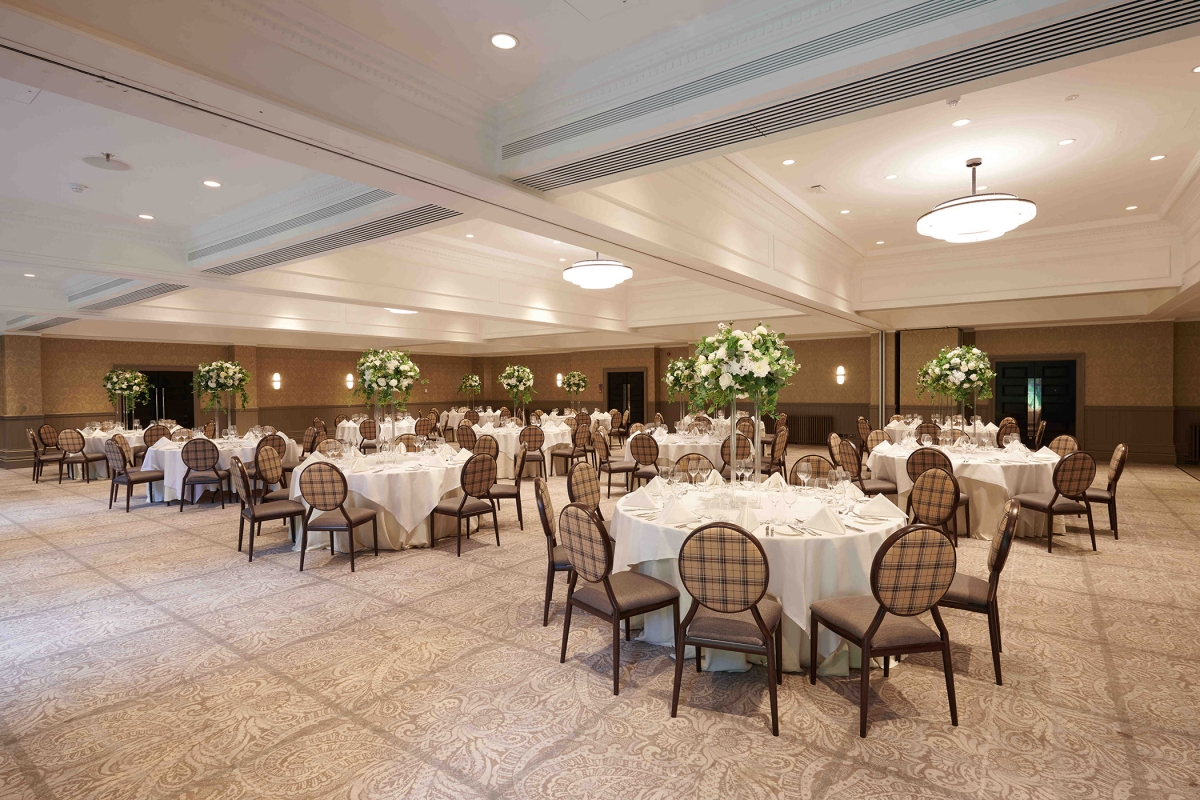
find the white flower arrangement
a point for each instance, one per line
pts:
(128, 384)
(471, 384)
(959, 373)
(574, 383)
(737, 364)
(386, 376)
(680, 378)
(518, 382)
(214, 380)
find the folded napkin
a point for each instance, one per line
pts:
(991, 426)
(462, 456)
(896, 425)
(880, 506)
(446, 451)
(825, 521)
(676, 513)
(639, 499)
(854, 492)
(714, 479)
(1045, 454)
(360, 465)
(166, 444)
(355, 452)
(775, 481)
(747, 519)
(882, 447)
(314, 457)
(486, 428)
(656, 486)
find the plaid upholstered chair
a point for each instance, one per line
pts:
(613, 597)
(425, 427)
(279, 445)
(534, 439)
(644, 450)
(725, 570)
(874, 439)
(471, 416)
(968, 593)
(70, 443)
(1108, 495)
(1007, 427)
(478, 478)
(323, 487)
(152, 434)
(924, 458)
(686, 461)
(123, 443)
(581, 437)
(319, 424)
(556, 554)
(269, 429)
(409, 440)
(257, 513)
(269, 468)
(606, 465)
(819, 469)
(512, 491)
(834, 443)
(934, 500)
(745, 426)
(339, 419)
(210, 429)
(201, 458)
(329, 447)
(930, 429)
(636, 428)
(911, 572)
(309, 442)
(1073, 476)
(848, 459)
(658, 419)
(1064, 445)
(488, 445)
(777, 460)
(48, 436)
(864, 428)
(41, 456)
(583, 488)
(368, 435)
(505, 413)
(465, 436)
(118, 470)
(744, 450)
(1041, 432)
(619, 425)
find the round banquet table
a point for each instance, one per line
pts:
(673, 447)
(404, 490)
(347, 431)
(603, 417)
(168, 456)
(803, 570)
(509, 440)
(94, 443)
(988, 477)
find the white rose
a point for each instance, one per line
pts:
(761, 330)
(974, 377)
(726, 380)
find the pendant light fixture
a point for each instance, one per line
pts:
(597, 273)
(977, 217)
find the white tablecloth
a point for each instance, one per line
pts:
(509, 440)
(804, 569)
(94, 443)
(721, 427)
(347, 431)
(603, 417)
(989, 478)
(673, 447)
(168, 456)
(404, 492)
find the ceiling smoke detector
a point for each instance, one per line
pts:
(108, 161)
(818, 189)
(77, 188)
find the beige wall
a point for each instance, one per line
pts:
(1187, 364)
(916, 349)
(20, 376)
(815, 381)
(546, 367)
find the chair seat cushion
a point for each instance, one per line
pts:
(277, 510)
(84, 458)
(474, 505)
(139, 476)
(333, 520)
(206, 476)
(52, 455)
(737, 628)
(618, 467)
(633, 590)
(1040, 501)
(648, 471)
(561, 560)
(276, 496)
(535, 455)
(855, 614)
(878, 486)
(967, 590)
(505, 490)
(1098, 495)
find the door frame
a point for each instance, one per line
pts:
(1080, 384)
(197, 410)
(645, 386)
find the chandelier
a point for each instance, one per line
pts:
(597, 273)
(977, 217)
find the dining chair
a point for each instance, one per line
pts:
(323, 487)
(123, 444)
(745, 426)
(269, 429)
(849, 460)
(556, 554)
(48, 436)
(210, 430)
(777, 461)
(465, 436)
(968, 593)
(41, 456)
(487, 444)
(1007, 427)
(658, 419)
(339, 419)
(744, 448)
(686, 461)
(896, 418)
(925, 458)
(1041, 432)
(864, 428)
(471, 416)
(120, 475)
(268, 465)
(931, 429)
(911, 572)
(71, 443)
(1108, 495)
(151, 435)
(636, 428)
(512, 491)
(319, 425)
(201, 458)
(425, 427)
(368, 435)
(409, 440)
(534, 438)
(583, 488)
(504, 413)
(875, 438)
(279, 445)
(819, 469)
(934, 500)
(834, 442)
(478, 478)
(606, 465)
(613, 597)
(256, 513)
(644, 449)
(1064, 445)
(576, 450)
(309, 442)
(726, 572)
(329, 447)
(1073, 475)
(593, 428)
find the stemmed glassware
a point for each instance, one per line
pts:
(804, 472)
(704, 471)
(693, 469)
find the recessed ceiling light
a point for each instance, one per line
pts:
(1071, 97)
(562, 259)
(980, 188)
(889, 177)
(505, 41)
(789, 161)
(1130, 208)
(30, 275)
(1157, 158)
(1195, 69)
(401, 311)
(212, 184)
(958, 123)
(1067, 141)
(470, 236)
(879, 242)
(556, 241)
(845, 211)
(145, 216)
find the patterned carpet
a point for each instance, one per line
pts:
(142, 657)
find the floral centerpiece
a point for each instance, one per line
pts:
(386, 377)
(734, 364)
(573, 383)
(125, 388)
(518, 382)
(680, 378)
(216, 380)
(471, 386)
(959, 374)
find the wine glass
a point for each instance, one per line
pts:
(804, 472)
(693, 467)
(926, 439)
(704, 471)
(790, 498)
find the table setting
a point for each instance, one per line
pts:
(603, 417)
(95, 434)
(673, 446)
(508, 437)
(167, 455)
(389, 428)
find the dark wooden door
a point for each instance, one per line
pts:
(627, 390)
(170, 398)
(1029, 391)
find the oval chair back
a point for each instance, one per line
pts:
(744, 448)
(876, 438)
(847, 458)
(368, 431)
(644, 450)
(583, 486)
(210, 430)
(924, 458)
(930, 429)
(123, 443)
(505, 413)
(479, 475)
(912, 570)
(275, 442)
(152, 434)
(582, 437)
(934, 497)
(582, 535)
(424, 427)
(1064, 445)
(486, 445)
(1116, 466)
(819, 467)
(724, 568)
(533, 438)
(465, 437)
(70, 441)
(309, 441)
(409, 440)
(241, 481)
(115, 457)
(268, 465)
(834, 442)
(1073, 475)
(1008, 426)
(48, 436)
(745, 426)
(1006, 528)
(323, 486)
(1041, 432)
(541, 493)
(472, 416)
(864, 428)
(200, 455)
(329, 447)
(684, 463)
(600, 442)
(339, 419)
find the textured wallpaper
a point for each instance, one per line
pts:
(916, 349)
(1187, 363)
(22, 367)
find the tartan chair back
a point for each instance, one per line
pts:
(924, 458)
(1064, 445)
(583, 485)
(339, 419)
(581, 534)
(48, 435)
(210, 429)
(269, 465)
(200, 455)
(744, 449)
(532, 437)
(848, 458)
(241, 481)
(504, 413)
(519, 464)
(864, 428)
(323, 486)
(70, 441)
(424, 426)
(934, 497)
(819, 466)
(600, 442)
(153, 434)
(876, 438)
(479, 475)
(1006, 528)
(123, 443)
(636, 428)
(1116, 466)
(274, 441)
(472, 416)
(319, 424)
(644, 450)
(115, 457)
(466, 437)
(834, 442)
(582, 436)
(368, 429)
(309, 441)
(913, 569)
(1074, 474)
(685, 462)
(487, 445)
(409, 440)
(724, 568)
(745, 426)
(932, 429)
(269, 429)
(1007, 427)
(541, 493)
(329, 446)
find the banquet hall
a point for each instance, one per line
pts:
(600, 398)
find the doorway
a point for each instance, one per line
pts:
(171, 397)
(1032, 391)
(627, 390)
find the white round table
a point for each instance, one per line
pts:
(168, 456)
(509, 441)
(603, 417)
(347, 431)
(674, 447)
(94, 443)
(804, 569)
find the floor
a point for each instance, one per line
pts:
(141, 656)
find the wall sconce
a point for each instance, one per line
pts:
(275, 382)
(841, 375)
(350, 380)
(558, 380)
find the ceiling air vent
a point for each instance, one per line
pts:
(107, 286)
(1047, 43)
(136, 296)
(15, 320)
(49, 323)
(413, 218)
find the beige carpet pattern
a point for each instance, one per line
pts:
(141, 656)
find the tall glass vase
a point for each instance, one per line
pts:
(757, 444)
